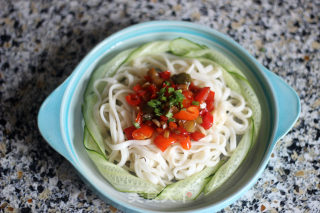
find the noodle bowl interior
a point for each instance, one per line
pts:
(143, 157)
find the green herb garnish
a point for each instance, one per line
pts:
(136, 125)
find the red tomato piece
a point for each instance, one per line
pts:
(133, 99)
(197, 135)
(159, 130)
(137, 87)
(163, 118)
(202, 94)
(172, 125)
(210, 101)
(207, 120)
(187, 101)
(190, 114)
(144, 132)
(184, 140)
(182, 130)
(193, 87)
(128, 132)
(139, 118)
(163, 143)
(165, 75)
(153, 90)
(203, 111)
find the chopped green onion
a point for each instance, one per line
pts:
(136, 125)
(167, 83)
(171, 120)
(154, 103)
(170, 90)
(169, 114)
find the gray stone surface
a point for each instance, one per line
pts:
(41, 42)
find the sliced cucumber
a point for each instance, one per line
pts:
(118, 177)
(89, 143)
(228, 169)
(149, 49)
(97, 131)
(182, 46)
(189, 188)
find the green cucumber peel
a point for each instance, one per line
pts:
(92, 120)
(189, 188)
(118, 177)
(182, 46)
(89, 143)
(230, 167)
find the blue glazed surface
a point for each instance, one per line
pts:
(59, 132)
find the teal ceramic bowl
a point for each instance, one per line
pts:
(61, 124)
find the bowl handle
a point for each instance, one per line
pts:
(288, 104)
(49, 120)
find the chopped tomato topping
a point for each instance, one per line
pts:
(163, 143)
(182, 130)
(197, 135)
(188, 98)
(207, 120)
(144, 132)
(172, 125)
(202, 94)
(193, 87)
(153, 90)
(184, 140)
(139, 118)
(133, 99)
(165, 75)
(190, 114)
(159, 130)
(163, 118)
(128, 132)
(137, 87)
(175, 105)
(210, 101)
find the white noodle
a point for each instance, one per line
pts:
(141, 156)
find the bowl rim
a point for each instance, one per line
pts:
(111, 41)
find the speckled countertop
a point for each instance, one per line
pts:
(42, 41)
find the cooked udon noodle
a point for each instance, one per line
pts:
(142, 157)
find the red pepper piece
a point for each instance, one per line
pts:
(163, 143)
(144, 132)
(182, 131)
(187, 101)
(197, 135)
(137, 87)
(193, 87)
(133, 99)
(165, 75)
(190, 114)
(128, 132)
(172, 125)
(163, 118)
(207, 120)
(202, 94)
(184, 140)
(139, 118)
(153, 90)
(210, 101)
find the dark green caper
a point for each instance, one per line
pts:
(181, 78)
